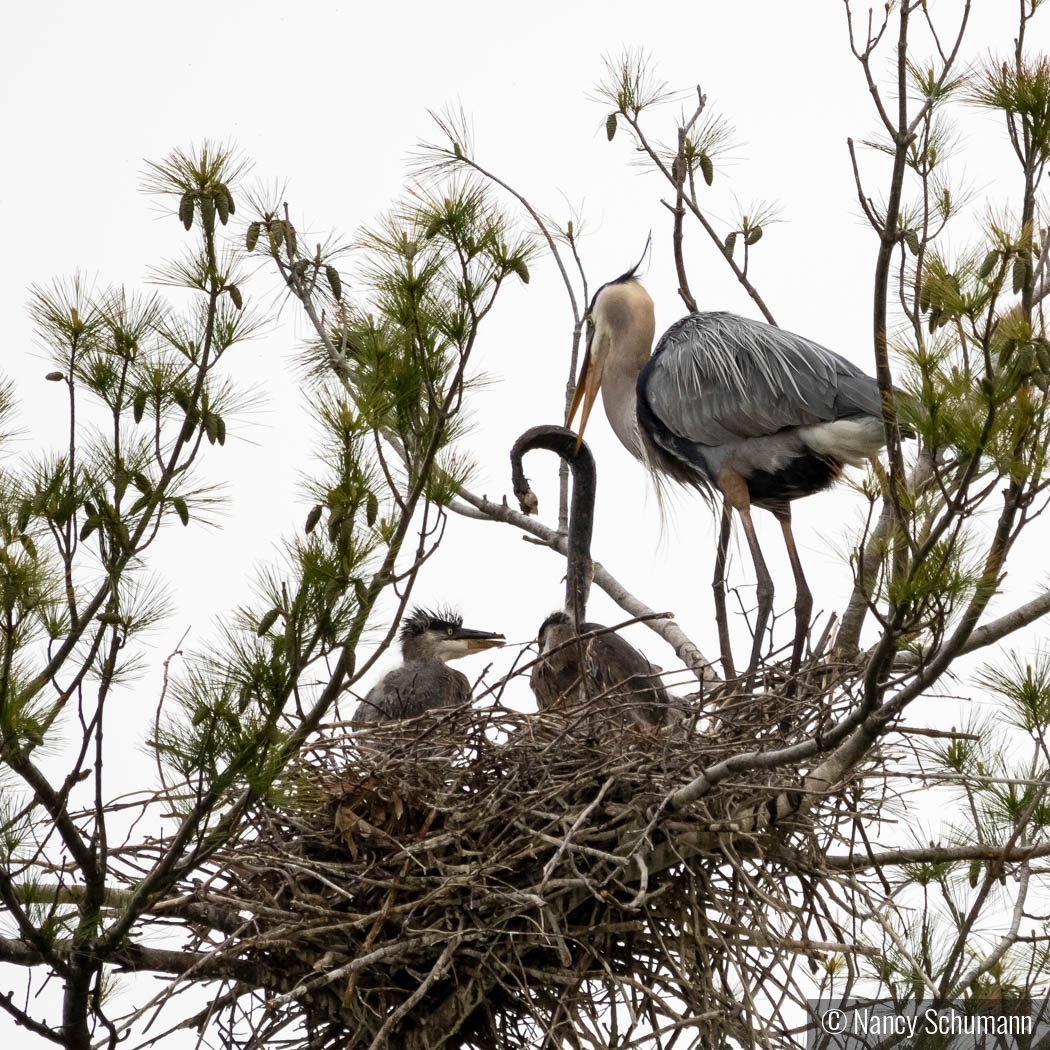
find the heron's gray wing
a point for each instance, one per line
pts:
(626, 677)
(409, 690)
(716, 378)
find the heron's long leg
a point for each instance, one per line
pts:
(718, 585)
(735, 490)
(763, 592)
(803, 596)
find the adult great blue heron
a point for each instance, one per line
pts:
(424, 682)
(612, 668)
(729, 404)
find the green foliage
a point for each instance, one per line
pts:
(1000, 987)
(351, 484)
(223, 744)
(926, 82)
(962, 756)
(1021, 90)
(928, 873)
(631, 88)
(144, 391)
(202, 179)
(232, 704)
(450, 473)
(749, 227)
(433, 268)
(630, 84)
(709, 139)
(934, 585)
(997, 773)
(15, 825)
(953, 290)
(1023, 687)
(389, 371)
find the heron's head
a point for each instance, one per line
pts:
(555, 630)
(620, 324)
(440, 635)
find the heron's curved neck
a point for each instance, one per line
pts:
(579, 569)
(581, 508)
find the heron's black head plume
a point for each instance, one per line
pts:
(630, 275)
(421, 620)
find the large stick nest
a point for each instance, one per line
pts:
(494, 879)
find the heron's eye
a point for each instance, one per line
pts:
(451, 632)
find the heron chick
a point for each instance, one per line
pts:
(729, 405)
(572, 665)
(424, 681)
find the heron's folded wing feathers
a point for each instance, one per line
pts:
(717, 378)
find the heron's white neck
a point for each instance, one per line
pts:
(626, 322)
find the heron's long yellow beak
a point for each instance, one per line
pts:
(587, 387)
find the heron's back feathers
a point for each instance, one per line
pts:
(725, 391)
(716, 377)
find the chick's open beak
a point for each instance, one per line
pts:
(478, 640)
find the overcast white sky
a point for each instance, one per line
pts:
(329, 98)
